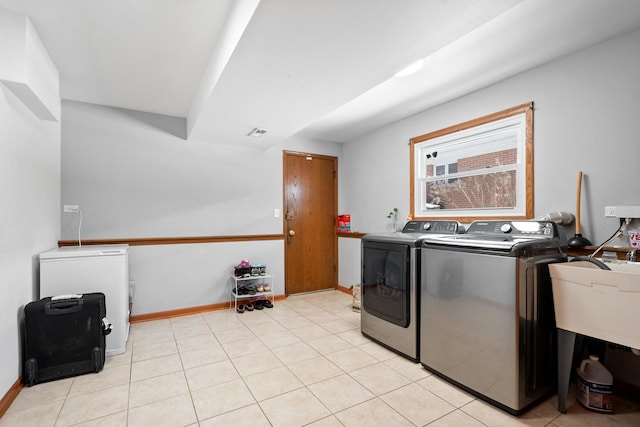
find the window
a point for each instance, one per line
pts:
(479, 169)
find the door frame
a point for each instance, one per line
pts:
(286, 153)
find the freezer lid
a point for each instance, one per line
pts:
(85, 251)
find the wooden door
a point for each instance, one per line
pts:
(310, 210)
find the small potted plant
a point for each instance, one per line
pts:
(393, 216)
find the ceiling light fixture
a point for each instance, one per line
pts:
(257, 132)
(413, 68)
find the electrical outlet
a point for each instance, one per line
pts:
(71, 208)
(610, 211)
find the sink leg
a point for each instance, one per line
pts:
(566, 344)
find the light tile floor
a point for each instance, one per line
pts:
(303, 362)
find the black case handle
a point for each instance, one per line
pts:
(54, 308)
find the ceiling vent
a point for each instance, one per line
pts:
(257, 132)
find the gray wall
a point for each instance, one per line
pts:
(587, 117)
(29, 217)
(132, 177)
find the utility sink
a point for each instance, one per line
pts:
(598, 303)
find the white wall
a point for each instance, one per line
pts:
(181, 276)
(26, 67)
(349, 261)
(132, 177)
(29, 217)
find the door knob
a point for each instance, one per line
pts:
(292, 233)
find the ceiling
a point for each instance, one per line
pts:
(323, 69)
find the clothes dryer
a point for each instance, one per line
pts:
(390, 284)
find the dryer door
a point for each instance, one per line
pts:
(386, 281)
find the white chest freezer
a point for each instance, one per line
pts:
(86, 269)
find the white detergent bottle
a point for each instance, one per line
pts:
(594, 385)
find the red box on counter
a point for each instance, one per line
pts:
(344, 223)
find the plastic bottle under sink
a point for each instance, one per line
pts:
(594, 385)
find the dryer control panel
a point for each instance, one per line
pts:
(439, 227)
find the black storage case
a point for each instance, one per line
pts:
(64, 337)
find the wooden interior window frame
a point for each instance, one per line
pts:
(468, 215)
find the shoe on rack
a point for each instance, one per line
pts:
(267, 303)
(260, 288)
(250, 307)
(243, 264)
(266, 287)
(240, 308)
(258, 304)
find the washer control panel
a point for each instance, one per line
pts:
(515, 228)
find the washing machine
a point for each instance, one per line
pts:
(390, 275)
(487, 314)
